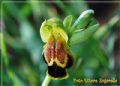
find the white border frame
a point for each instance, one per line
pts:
(4, 2)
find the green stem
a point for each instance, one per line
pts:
(46, 81)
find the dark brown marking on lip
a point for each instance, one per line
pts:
(70, 61)
(56, 71)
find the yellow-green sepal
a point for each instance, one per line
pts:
(52, 26)
(45, 31)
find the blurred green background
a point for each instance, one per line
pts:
(22, 63)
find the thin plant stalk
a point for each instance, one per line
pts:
(46, 81)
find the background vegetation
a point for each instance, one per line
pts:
(22, 62)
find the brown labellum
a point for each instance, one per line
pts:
(57, 56)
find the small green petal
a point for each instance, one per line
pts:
(67, 22)
(59, 31)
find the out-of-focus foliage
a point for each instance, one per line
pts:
(22, 62)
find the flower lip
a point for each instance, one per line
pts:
(55, 51)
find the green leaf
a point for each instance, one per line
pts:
(79, 37)
(100, 56)
(3, 52)
(82, 20)
(67, 22)
(106, 28)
